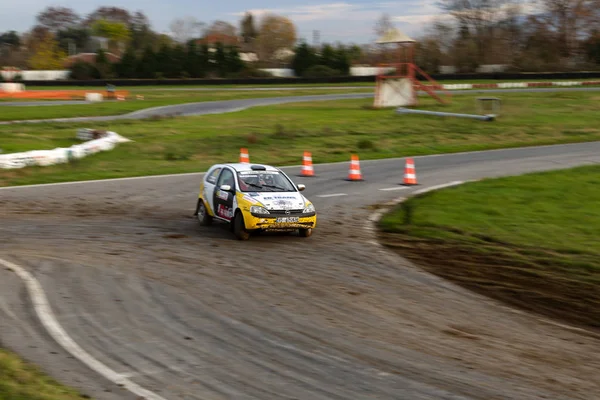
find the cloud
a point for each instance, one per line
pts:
(308, 13)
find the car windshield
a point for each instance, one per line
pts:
(264, 181)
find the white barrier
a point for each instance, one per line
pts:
(11, 87)
(95, 97)
(107, 141)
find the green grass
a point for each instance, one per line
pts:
(22, 381)
(331, 130)
(531, 240)
(151, 99)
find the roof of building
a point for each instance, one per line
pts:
(394, 36)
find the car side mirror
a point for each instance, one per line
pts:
(301, 187)
(225, 188)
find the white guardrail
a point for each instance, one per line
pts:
(96, 141)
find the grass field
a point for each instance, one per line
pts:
(21, 381)
(151, 99)
(331, 130)
(525, 240)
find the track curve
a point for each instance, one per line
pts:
(191, 313)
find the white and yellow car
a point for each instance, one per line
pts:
(254, 198)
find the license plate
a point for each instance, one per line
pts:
(287, 219)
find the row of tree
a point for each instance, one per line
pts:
(178, 61)
(527, 35)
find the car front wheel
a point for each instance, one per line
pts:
(305, 232)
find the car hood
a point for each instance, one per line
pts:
(277, 200)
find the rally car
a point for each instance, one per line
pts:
(254, 198)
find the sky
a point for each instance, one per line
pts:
(344, 21)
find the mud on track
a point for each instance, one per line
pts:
(191, 313)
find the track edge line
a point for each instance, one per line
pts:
(46, 316)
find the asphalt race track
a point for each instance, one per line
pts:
(189, 312)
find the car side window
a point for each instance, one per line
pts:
(226, 178)
(212, 177)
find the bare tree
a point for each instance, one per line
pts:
(571, 19)
(248, 28)
(221, 28)
(276, 37)
(383, 24)
(184, 29)
(57, 18)
(112, 14)
(478, 18)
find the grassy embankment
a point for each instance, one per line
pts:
(531, 240)
(20, 380)
(330, 130)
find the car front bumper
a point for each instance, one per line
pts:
(280, 222)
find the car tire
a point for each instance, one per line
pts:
(203, 218)
(239, 228)
(305, 232)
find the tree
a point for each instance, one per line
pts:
(57, 18)
(220, 59)
(570, 19)
(221, 28)
(248, 29)
(117, 33)
(47, 55)
(383, 24)
(479, 17)
(111, 14)
(147, 64)
(341, 61)
(10, 38)
(140, 30)
(126, 67)
(103, 65)
(276, 33)
(234, 62)
(186, 28)
(327, 56)
(304, 58)
(73, 39)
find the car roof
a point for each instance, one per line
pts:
(247, 167)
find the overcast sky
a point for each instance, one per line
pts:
(345, 21)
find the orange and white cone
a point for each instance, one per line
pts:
(410, 176)
(307, 166)
(120, 97)
(354, 173)
(244, 156)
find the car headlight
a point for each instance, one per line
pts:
(258, 210)
(309, 209)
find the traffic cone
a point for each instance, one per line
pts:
(354, 173)
(410, 176)
(120, 97)
(244, 156)
(307, 166)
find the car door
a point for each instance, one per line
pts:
(222, 200)
(209, 187)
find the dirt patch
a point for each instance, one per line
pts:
(516, 276)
